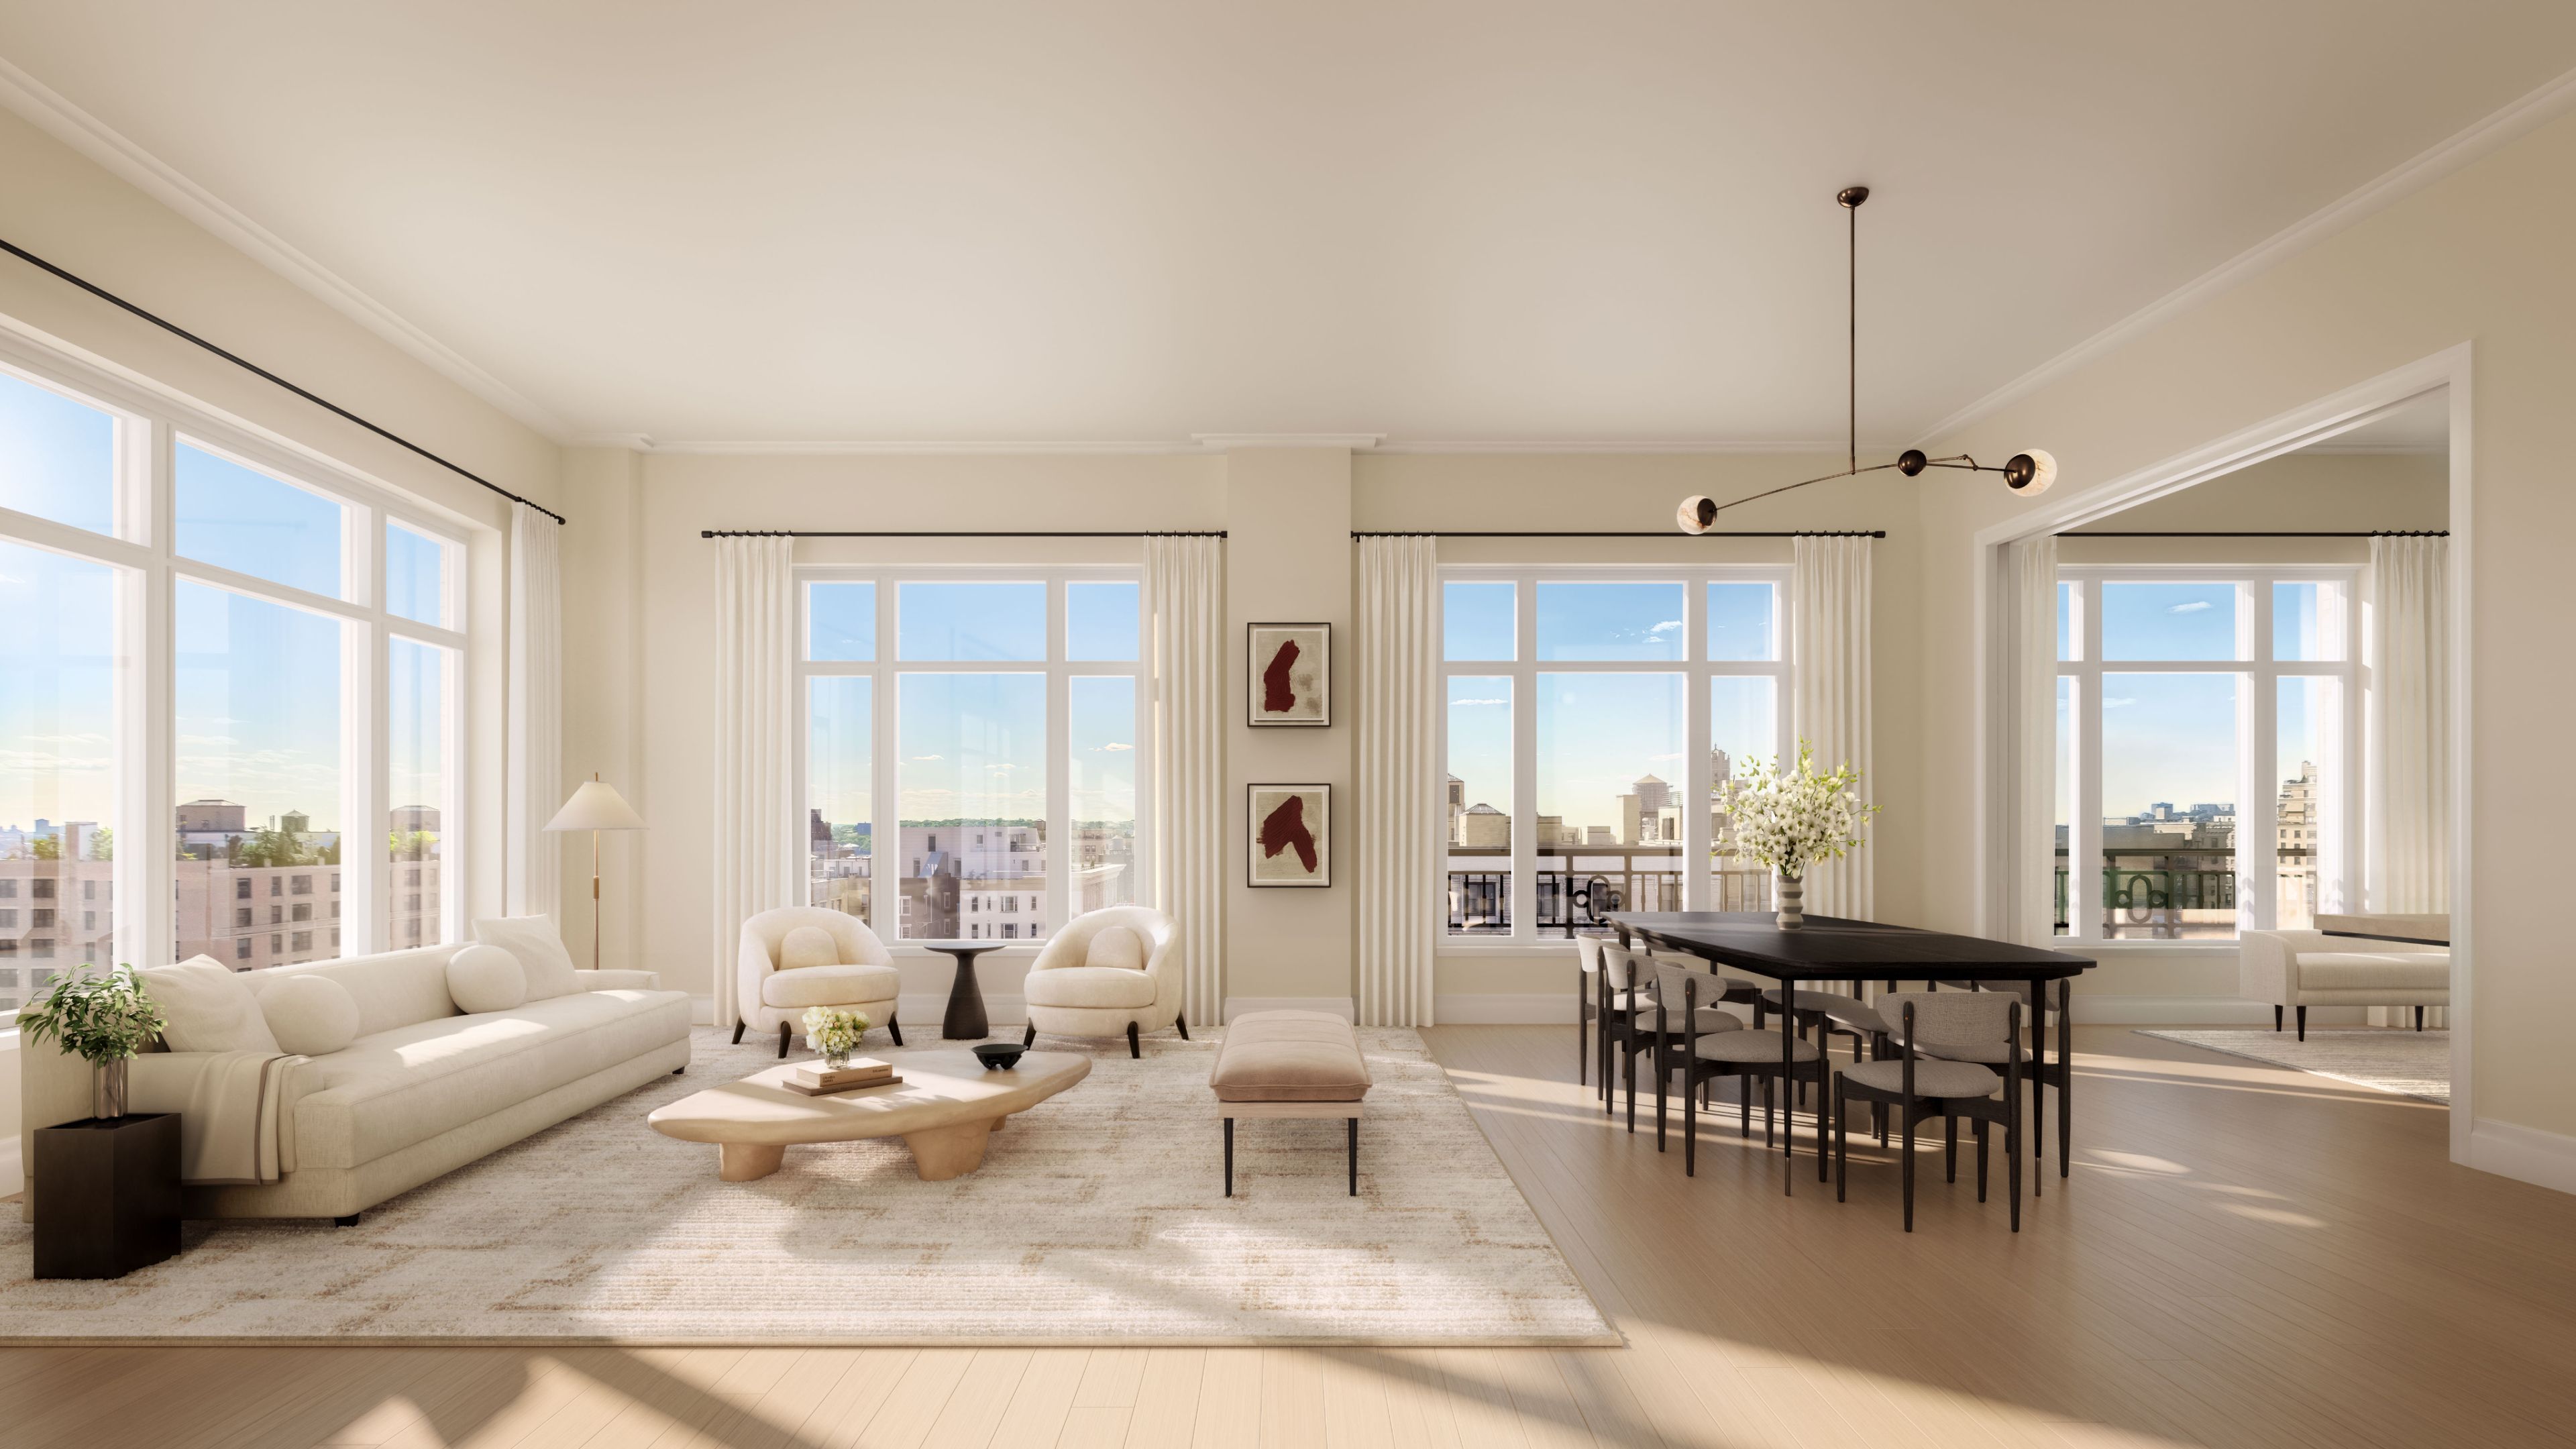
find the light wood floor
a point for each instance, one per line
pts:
(2245, 1256)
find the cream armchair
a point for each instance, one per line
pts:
(1116, 969)
(775, 981)
(2294, 970)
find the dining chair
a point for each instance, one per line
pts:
(1701, 1057)
(1829, 1014)
(1636, 1024)
(1915, 1086)
(2043, 1074)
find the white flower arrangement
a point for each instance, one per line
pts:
(835, 1031)
(1788, 822)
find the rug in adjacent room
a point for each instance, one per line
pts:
(2408, 1063)
(1097, 1217)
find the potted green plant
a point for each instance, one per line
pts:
(103, 1019)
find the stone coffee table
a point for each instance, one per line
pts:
(944, 1109)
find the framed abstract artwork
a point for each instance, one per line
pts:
(1291, 674)
(1292, 835)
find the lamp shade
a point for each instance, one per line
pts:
(596, 806)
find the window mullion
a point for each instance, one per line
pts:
(2085, 862)
(145, 878)
(1697, 677)
(1524, 672)
(1058, 839)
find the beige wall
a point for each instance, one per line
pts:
(1290, 512)
(73, 213)
(2477, 258)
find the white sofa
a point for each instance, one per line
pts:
(1083, 984)
(423, 1090)
(2294, 970)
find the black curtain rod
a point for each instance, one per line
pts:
(955, 533)
(1657, 533)
(2359, 533)
(175, 330)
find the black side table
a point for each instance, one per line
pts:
(966, 1020)
(109, 1196)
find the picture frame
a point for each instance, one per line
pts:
(1288, 837)
(1288, 676)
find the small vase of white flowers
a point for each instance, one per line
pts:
(835, 1032)
(1790, 821)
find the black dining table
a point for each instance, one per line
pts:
(1832, 948)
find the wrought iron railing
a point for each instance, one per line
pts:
(1576, 891)
(2169, 894)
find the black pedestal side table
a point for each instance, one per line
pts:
(110, 1197)
(966, 1020)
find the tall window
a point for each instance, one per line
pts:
(1000, 715)
(229, 660)
(1586, 710)
(2206, 739)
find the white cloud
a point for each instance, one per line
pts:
(1480, 701)
(923, 759)
(1117, 748)
(2194, 607)
(2117, 703)
(1665, 627)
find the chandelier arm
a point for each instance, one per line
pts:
(1801, 483)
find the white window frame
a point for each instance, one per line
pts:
(150, 424)
(884, 711)
(1525, 667)
(2257, 854)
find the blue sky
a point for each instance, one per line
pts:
(974, 745)
(2172, 737)
(1598, 733)
(58, 656)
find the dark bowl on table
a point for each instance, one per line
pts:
(999, 1056)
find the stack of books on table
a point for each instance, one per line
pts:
(815, 1079)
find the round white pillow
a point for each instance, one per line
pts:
(311, 1016)
(808, 946)
(486, 978)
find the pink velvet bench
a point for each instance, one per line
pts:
(1289, 1064)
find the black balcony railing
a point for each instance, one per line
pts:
(1576, 890)
(2167, 894)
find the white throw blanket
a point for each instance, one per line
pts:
(235, 1122)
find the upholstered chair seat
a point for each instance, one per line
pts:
(799, 957)
(1105, 973)
(805, 986)
(1932, 1077)
(1752, 1047)
(1113, 987)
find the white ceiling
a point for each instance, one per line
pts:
(1121, 221)
(2418, 425)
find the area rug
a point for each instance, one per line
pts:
(1097, 1217)
(2408, 1063)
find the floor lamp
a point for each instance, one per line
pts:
(595, 807)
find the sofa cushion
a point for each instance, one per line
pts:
(394, 988)
(486, 978)
(1103, 986)
(1289, 1056)
(311, 1016)
(2372, 971)
(390, 1090)
(540, 949)
(829, 986)
(207, 1008)
(1116, 947)
(807, 946)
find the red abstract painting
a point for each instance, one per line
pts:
(1285, 828)
(1278, 690)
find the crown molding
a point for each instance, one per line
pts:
(631, 442)
(49, 111)
(1770, 447)
(1227, 442)
(2523, 116)
(898, 449)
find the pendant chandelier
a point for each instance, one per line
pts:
(2027, 473)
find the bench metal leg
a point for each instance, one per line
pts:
(1355, 1156)
(1229, 1157)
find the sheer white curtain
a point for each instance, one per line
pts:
(757, 844)
(533, 859)
(2024, 747)
(1400, 773)
(1184, 603)
(1829, 669)
(2410, 732)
